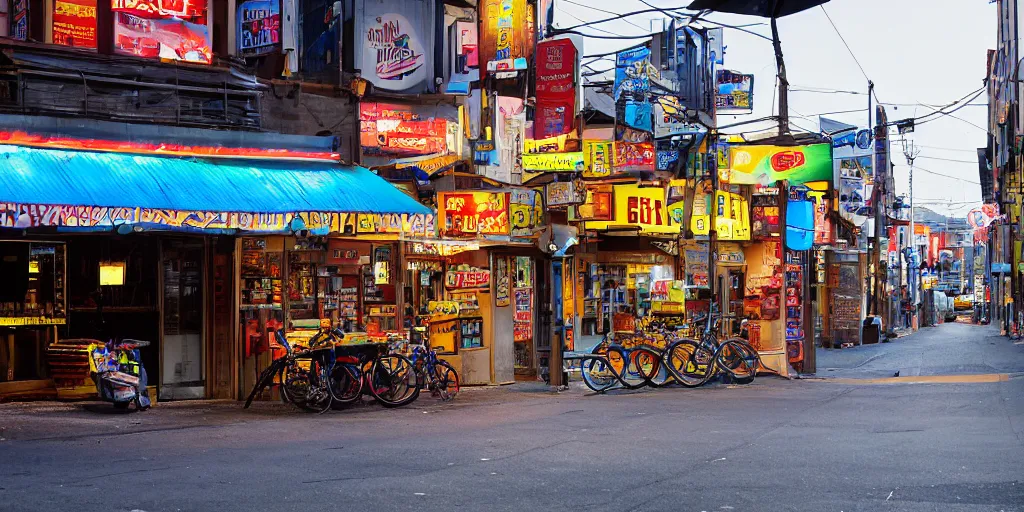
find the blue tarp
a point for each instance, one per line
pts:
(82, 178)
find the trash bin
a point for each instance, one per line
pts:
(872, 330)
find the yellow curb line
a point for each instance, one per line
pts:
(929, 379)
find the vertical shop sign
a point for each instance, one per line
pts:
(153, 29)
(396, 44)
(382, 265)
(556, 89)
(259, 27)
(695, 264)
(598, 157)
(506, 37)
(501, 282)
(74, 23)
(765, 216)
(522, 322)
(474, 213)
(18, 15)
(526, 212)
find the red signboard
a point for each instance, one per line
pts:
(634, 156)
(397, 130)
(74, 23)
(473, 213)
(464, 279)
(556, 89)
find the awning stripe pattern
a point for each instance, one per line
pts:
(82, 178)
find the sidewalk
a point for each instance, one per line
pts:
(947, 349)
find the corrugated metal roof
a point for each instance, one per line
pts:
(80, 178)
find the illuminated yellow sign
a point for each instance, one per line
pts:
(112, 273)
(549, 162)
(639, 207)
(15, 321)
(598, 156)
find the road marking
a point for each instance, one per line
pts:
(983, 378)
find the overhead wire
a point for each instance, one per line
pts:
(843, 39)
(601, 10)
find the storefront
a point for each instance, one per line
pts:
(148, 259)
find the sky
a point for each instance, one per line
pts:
(917, 52)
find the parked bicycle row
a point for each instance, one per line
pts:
(329, 373)
(659, 357)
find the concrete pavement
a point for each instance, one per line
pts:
(807, 445)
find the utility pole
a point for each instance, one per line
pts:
(877, 203)
(911, 152)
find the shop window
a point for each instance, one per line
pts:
(169, 29)
(74, 23)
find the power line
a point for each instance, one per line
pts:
(919, 168)
(948, 159)
(843, 39)
(601, 10)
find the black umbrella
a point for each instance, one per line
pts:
(773, 9)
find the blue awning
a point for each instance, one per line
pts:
(115, 180)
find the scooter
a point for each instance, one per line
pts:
(117, 370)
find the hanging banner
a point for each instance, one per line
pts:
(598, 158)
(643, 208)
(735, 92)
(506, 35)
(555, 112)
(554, 162)
(757, 164)
(74, 23)
(259, 27)
(153, 29)
(526, 212)
(473, 213)
(395, 44)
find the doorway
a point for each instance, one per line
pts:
(182, 364)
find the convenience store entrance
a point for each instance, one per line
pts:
(182, 347)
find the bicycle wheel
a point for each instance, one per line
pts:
(622, 364)
(690, 364)
(447, 384)
(597, 373)
(394, 381)
(294, 385)
(346, 384)
(739, 360)
(649, 362)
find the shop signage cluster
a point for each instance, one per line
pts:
(151, 29)
(467, 277)
(735, 92)
(259, 27)
(474, 213)
(555, 112)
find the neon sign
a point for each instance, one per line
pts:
(787, 160)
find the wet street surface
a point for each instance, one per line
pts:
(854, 438)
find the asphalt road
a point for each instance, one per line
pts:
(808, 445)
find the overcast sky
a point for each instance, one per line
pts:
(929, 52)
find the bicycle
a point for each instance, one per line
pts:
(304, 375)
(373, 369)
(695, 362)
(441, 378)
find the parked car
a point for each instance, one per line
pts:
(965, 301)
